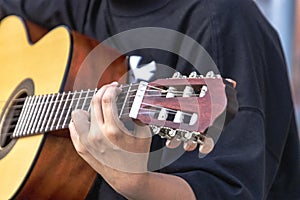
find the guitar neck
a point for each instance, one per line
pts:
(52, 112)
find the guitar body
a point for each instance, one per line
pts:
(34, 61)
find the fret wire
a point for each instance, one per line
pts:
(152, 110)
(21, 106)
(42, 129)
(52, 111)
(23, 119)
(65, 104)
(20, 121)
(70, 106)
(56, 113)
(32, 114)
(90, 104)
(42, 110)
(145, 109)
(78, 100)
(85, 99)
(84, 91)
(29, 116)
(37, 110)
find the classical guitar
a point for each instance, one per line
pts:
(37, 78)
(36, 62)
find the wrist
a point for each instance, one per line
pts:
(130, 184)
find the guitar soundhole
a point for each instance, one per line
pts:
(10, 116)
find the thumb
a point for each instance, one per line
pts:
(81, 121)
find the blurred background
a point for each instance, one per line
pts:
(284, 15)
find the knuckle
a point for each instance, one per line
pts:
(95, 138)
(95, 99)
(108, 96)
(112, 132)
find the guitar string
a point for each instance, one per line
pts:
(128, 107)
(80, 105)
(16, 117)
(91, 91)
(59, 126)
(90, 97)
(84, 98)
(71, 93)
(17, 112)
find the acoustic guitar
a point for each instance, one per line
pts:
(36, 62)
(39, 89)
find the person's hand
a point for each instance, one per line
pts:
(119, 156)
(102, 140)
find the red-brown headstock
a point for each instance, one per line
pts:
(183, 107)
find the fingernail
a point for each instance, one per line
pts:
(115, 83)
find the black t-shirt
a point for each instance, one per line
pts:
(257, 155)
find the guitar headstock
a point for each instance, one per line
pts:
(183, 107)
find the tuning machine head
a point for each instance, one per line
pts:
(164, 132)
(177, 75)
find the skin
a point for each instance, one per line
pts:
(119, 156)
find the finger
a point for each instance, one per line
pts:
(96, 108)
(173, 143)
(142, 131)
(81, 122)
(75, 139)
(82, 151)
(190, 145)
(109, 106)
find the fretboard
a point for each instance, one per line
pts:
(52, 112)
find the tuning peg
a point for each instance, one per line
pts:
(184, 135)
(155, 129)
(167, 133)
(187, 135)
(210, 74)
(206, 146)
(177, 75)
(203, 91)
(193, 75)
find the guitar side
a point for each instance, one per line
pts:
(44, 166)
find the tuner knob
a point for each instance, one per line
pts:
(155, 129)
(210, 74)
(193, 75)
(207, 145)
(177, 75)
(165, 133)
(203, 91)
(186, 135)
